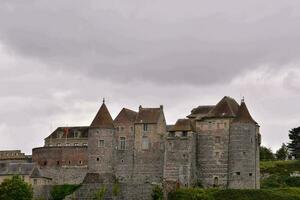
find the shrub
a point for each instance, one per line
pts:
(99, 195)
(59, 192)
(157, 193)
(15, 189)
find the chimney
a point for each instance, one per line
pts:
(161, 107)
(140, 107)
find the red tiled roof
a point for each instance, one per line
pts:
(182, 125)
(200, 110)
(227, 107)
(243, 115)
(126, 115)
(148, 115)
(103, 118)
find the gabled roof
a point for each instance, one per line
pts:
(70, 132)
(227, 107)
(148, 115)
(125, 116)
(200, 110)
(243, 115)
(182, 125)
(103, 118)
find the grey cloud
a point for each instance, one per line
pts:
(105, 41)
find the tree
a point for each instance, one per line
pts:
(15, 189)
(294, 145)
(266, 154)
(282, 153)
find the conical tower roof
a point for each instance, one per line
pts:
(243, 115)
(103, 118)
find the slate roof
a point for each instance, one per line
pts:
(103, 118)
(227, 107)
(70, 132)
(243, 115)
(182, 125)
(148, 115)
(126, 115)
(30, 169)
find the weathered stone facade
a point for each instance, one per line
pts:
(215, 146)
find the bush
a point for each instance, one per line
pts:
(59, 192)
(213, 194)
(15, 189)
(157, 193)
(99, 195)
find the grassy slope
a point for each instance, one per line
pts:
(279, 186)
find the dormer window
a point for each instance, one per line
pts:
(184, 133)
(145, 127)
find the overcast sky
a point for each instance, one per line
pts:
(59, 58)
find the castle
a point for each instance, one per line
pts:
(215, 146)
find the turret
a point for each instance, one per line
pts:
(101, 142)
(243, 151)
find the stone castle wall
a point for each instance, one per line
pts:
(243, 156)
(212, 153)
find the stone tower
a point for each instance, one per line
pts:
(244, 141)
(212, 145)
(101, 143)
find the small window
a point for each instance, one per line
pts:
(58, 144)
(172, 134)
(69, 162)
(184, 134)
(244, 153)
(131, 128)
(98, 159)
(80, 162)
(34, 181)
(57, 162)
(145, 127)
(84, 144)
(118, 129)
(225, 125)
(101, 143)
(216, 182)
(145, 143)
(67, 144)
(45, 163)
(122, 129)
(75, 144)
(122, 144)
(217, 139)
(217, 154)
(250, 174)
(237, 173)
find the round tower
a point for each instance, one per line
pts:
(101, 143)
(244, 141)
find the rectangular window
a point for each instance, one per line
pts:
(101, 143)
(145, 127)
(122, 143)
(145, 143)
(131, 128)
(184, 134)
(218, 139)
(122, 129)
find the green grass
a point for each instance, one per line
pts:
(279, 167)
(213, 194)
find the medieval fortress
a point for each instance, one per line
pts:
(215, 146)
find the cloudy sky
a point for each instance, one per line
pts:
(59, 58)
